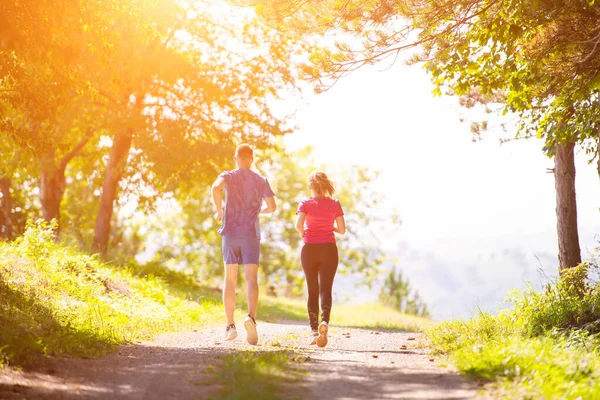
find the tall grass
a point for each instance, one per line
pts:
(56, 300)
(547, 346)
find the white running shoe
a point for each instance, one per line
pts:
(252, 335)
(230, 332)
(313, 338)
(322, 338)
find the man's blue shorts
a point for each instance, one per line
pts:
(241, 250)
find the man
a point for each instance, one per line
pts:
(240, 230)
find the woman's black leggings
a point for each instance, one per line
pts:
(319, 262)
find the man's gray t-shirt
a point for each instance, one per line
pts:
(245, 192)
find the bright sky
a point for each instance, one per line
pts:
(475, 215)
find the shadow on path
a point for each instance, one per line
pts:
(188, 366)
(135, 372)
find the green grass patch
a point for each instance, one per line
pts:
(56, 300)
(546, 347)
(565, 367)
(376, 316)
(369, 316)
(273, 309)
(260, 375)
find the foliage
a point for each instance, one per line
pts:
(565, 304)
(75, 77)
(397, 294)
(547, 346)
(16, 172)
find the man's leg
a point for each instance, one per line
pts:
(231, 273)
(251, 275)
(250, 258)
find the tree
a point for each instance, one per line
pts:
(540, 59)
(152, 78)
(16, 172)
(6, 206)
(47, 59)
(215, 86)
(397, 294)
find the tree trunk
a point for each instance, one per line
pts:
(52, 179)
(569, 253)
(598, 165)
(6, 228)
(52, 187)
(114, 171)
(598, 155)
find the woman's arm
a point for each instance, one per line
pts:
(340, 225)
(300, 223)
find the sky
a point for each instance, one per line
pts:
(478, 218)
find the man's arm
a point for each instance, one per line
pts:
(270, 206)
(300, 223)
(217, 197)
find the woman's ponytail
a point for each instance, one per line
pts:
(321, 184)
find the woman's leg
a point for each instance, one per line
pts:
(311, 271)
(327, 270)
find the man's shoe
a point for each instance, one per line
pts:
(230, 332)
(251, 334)
(322, 338)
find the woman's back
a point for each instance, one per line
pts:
(321, 213)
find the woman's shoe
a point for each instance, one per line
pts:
(313, 337)
(322, 338)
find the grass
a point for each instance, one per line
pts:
(545, 367)
(546, 347)
(377, 316)
(369, 316)
(265, 375)
(55, 300)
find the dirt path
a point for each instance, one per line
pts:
(357, 364)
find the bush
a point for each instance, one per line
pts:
(568, 303)
(397, 294)
(546, 346)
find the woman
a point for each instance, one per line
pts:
(318, 218)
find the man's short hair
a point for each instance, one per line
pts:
(244, 151)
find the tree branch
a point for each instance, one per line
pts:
(354, 64)
(66, 159)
